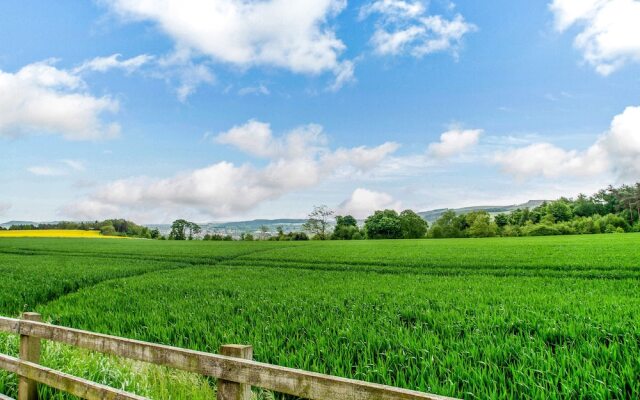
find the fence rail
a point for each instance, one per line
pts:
(235, 370)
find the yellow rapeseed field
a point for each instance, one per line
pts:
(55, 233)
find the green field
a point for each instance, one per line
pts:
(529, 318)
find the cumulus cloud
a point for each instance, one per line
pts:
(404, 27)
(297, 160)
(610, 31)
(364, 202)
(42, 99)
(257, 139)
(616, 151)
(294, 35)
(454, 142)
(104, 64)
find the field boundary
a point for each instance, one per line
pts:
(234, 368)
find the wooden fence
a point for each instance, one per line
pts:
(234, 368)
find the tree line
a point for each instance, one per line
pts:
(109, 227)
(610, 210)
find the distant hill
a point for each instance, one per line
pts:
(433, 215)
(237, 227)
(10, 223)
(293, 224)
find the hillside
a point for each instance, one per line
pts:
(433, 215)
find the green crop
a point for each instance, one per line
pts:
(524, 318)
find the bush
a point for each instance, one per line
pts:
(436, 232)
(585, 225)
(540, 230)
(565, 229)
(615, 221)
(343, 232)
(480, 225)
(108, 230)
(510, 230)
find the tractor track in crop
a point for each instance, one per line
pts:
(170, 264)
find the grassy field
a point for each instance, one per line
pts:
(529, 318)
(54, 233)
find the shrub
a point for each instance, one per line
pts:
(540, 230)
(510, 230)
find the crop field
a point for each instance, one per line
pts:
(502, 318)
(54, 233)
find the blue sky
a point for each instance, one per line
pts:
(222, 109)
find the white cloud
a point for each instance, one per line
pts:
(610, 36)
(255, 90)
(616, 151)
(41, 99)
(405, 28)
(364, 202)
(43, 170)
(48, 170)
(455, 142)
(75, 165)
(297, 160)
(104, 64)
(344, 73)
(394, 9)
(256, 138)
(294, 35)
(176, 68)
(362, 157)
(191, 76)
(551, 161)
(622, 143)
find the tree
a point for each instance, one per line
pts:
(560, 210)
(346, 228)
(636, 199)
(447, 226)
(318, 222)
(413, 226)
(501, 220)
(584, 206)
(480, 225)
(626, 199)
(606, 201)
(246, 236)
(179, 229)
(383, 225)
(194, 229)
(347, 220)
(263, 232)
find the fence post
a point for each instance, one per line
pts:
(228, 390)
(29, 351)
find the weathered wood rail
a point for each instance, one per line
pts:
(234, 369)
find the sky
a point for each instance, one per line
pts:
(217, 110)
